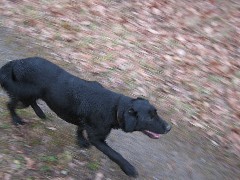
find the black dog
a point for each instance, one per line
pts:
(83, 103)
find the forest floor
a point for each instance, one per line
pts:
(183, 56)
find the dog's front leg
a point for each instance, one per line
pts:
(116, 157)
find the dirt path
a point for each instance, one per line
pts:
(27, 153)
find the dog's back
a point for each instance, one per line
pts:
(22, 77)
(28, 70)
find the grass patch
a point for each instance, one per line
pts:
(35, 142)
(49, 159)
(5, 126)
(93, 26)
(93, 166)
(237, 74)
(30, 178)
(88, 40)
(17, 164)
(101, 58)
(25, 112)
(66, 156)
(214, 78)
(36, 125)
(4, 113)
(203, 90)
(190, 110)
(173, 43)
(171, 111)
(45, 168)
(58, 37)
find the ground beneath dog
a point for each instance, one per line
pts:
(47, 149)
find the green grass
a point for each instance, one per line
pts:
(30, 178)
(35, 142)
(49, 159)
(45, 168)
(171, 111)
(93, 166)
(65, 157)
(190, 110)
(35, 125)
(17, 163)
(130, 83)
(25, 112)
(203, 90)
(58, 37)
(5, 126)
(215, 78)
(173, 43)
(237, 74)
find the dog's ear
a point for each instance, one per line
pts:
(130, 120)
(127, 119)
(126, 116)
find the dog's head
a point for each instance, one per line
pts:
(140, 115)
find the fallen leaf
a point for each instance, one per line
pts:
(7, 176)
(29, 163)
(99, 176)
(52, 128)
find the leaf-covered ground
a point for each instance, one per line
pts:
(182, 55)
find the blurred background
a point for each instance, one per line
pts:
(184, 56)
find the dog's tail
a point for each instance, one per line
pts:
(10, 76)
(6, 74)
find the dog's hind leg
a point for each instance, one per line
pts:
(38, 110)
(12, 104)
(81, 140)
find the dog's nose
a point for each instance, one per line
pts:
(168, 128)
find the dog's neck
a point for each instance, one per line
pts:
(117, 121)
(118, 118)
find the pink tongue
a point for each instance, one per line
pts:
(151, 134)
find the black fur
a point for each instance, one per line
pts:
(85, 104)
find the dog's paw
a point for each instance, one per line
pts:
(130, 170)
(18, 121)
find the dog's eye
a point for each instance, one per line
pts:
(153, 113)
(131, 111)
